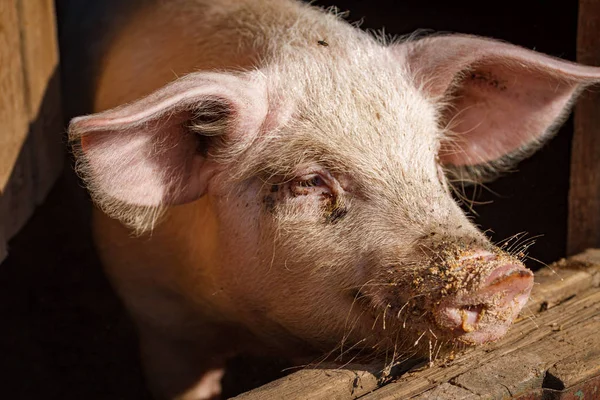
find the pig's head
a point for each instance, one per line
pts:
(315, 188)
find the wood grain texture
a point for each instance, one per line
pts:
(31, 148)
(536, 345)
(314, 384)
(546, 336)
(557, 334)
(584, 191)
(12, 111)
(12, 91)
(447, 391)
(40, 61)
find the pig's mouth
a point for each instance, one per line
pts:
(471, 298)
(486, 314)
(474, 300)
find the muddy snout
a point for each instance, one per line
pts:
(484, 294)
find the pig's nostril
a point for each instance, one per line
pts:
(513, 278)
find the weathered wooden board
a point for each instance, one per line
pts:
(12, 104)
(531, 347)
(584, 191)
(553, 347)
(41, 61)
(31, 149)
(313, 384)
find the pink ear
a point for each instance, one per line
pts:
(500, 99)
(145, 153)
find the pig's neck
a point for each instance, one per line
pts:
(165, 276)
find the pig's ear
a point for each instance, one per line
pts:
(157, 150)
(498, 101)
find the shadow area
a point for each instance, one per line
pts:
(64, 334)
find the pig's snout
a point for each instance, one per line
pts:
(485, 312)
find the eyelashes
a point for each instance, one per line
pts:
(315, 195)
(309, 184)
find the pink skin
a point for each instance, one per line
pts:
(497, 97)
(290, 196)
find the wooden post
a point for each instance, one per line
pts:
(31, 150)
(584, 193)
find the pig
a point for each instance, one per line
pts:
(271, 179)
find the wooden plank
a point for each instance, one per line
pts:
(40, 49)
(557, 330)
(584, 192)
(17, 201)
(13, 113)
(555, 335)
(505, 377)
(564, 279)
(312, 384)
(31, 146)
(568, 329)
(576, 369)
(447, 391)
(40, 60)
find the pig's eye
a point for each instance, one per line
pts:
(309, 184)
(312, 182)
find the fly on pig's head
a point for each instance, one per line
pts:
(323, 177)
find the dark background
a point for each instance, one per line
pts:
(63, 333)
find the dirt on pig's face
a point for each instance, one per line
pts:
(338, 230)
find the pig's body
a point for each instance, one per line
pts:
(321, 221)
(172, 280)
